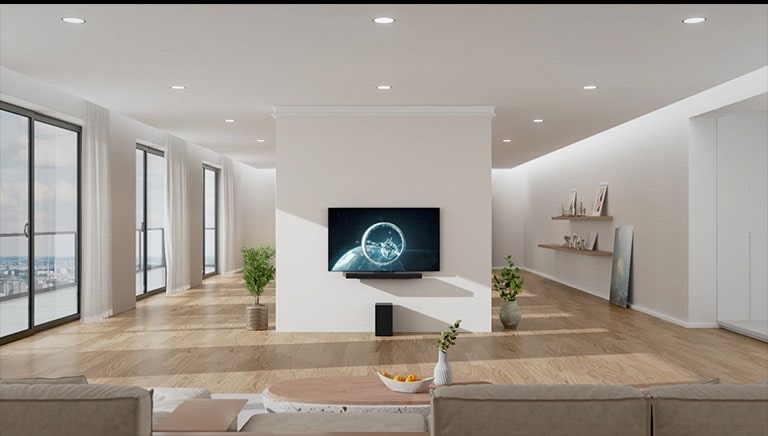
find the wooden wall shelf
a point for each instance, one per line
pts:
(571, 250)
(583, 218)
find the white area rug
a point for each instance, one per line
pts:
(252, 407)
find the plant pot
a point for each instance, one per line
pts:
(443, 373)
(510, 314)
(256, 317)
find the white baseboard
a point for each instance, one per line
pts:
(690, 325)
(570, 285)
(234, 271)
(641, 309)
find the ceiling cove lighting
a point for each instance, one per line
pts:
(694, 20)
(259, 140)
(506, 140)
(384, 87)
(383, 20)
(589, 87)
(177, 87)
(229, 121)
(73, 20)
(538, 120)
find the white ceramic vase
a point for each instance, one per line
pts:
(443, 374)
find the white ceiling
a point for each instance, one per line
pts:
(238, 61)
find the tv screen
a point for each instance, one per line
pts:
(384, 239)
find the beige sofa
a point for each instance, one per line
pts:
(74, 409)
(679, 410)
(466, 410)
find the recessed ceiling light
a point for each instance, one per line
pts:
(538, 120)
(384, 87)
(506, 140)
(73, 20)
(383, 20)
(178, 87)
(694, 20)
(589, 87)
(229, 121)
(259, 140)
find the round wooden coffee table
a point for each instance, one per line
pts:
(341, 394)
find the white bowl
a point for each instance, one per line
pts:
(421, 385)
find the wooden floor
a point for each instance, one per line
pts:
(198, 339)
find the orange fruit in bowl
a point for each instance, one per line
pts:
(411, 378)
(399, 378)
(385, 374)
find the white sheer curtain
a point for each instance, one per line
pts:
(227, 247)
(176, 217)
(96, 239)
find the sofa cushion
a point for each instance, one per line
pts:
(70, 409)
(166, 400)
(735, 410)
(336, 422)
(71, 380)
(539, 410)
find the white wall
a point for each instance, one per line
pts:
(645, 162)
(742, 216)
(702, 230)
(348, 157)
(510, 200)
(124, 134)
(254, 206)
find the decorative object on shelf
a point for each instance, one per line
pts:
(591, 240)
(509, 283)
(572, 204)
(443, 375)
(409, 384)
(258, 271)
(622, 262)
(579, 243)
(575, 242)
(602, 192)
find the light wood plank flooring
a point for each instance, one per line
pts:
(198, 339)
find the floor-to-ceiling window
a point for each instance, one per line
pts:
(150, 221)
(39, 222)
(210, 223)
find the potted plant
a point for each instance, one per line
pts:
(258, 271)
(443, 373)
(508, 284)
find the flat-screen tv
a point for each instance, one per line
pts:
(383, 239)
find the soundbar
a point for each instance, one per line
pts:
(382, 275)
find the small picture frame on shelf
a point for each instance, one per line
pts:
(602, 192)
(591, 240)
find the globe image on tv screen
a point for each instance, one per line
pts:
(380, 249)
(383, 243)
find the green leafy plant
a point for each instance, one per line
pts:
(448, 336)
(508, 283)
(258, 268)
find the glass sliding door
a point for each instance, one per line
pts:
(139, 234)
(55, 230)
(15, 144)
(150, 221)
(210, 220)
(39, 222)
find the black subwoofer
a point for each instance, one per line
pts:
(383, 319)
